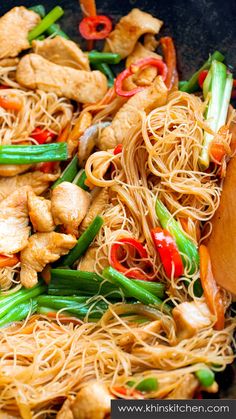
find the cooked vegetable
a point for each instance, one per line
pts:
(96, 57)
(191, 85)
(201, 77)
(205, 376)
(147, 385)
(46, 22)
(24, 154)
(8, 261)
(69, 173)
(134, 68)
(83, 242)
(168, 251)
(219, 84)
(210, 288)
(118, 149)
(40, 9)
(72, 282)
(19, 312)
(170, 60)
(135, 289)
(10, 103)
(133, 245)
(105, 69)
(80, 179)
(184, 244)
(89, 25)
(124, 391)
(56, 30)
(42, 136)
(88, 8)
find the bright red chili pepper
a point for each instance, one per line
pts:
(168, 251)
(48, 166)
(201, 77)
(88, 27)
(118, 149)
(134, 68)
(42, 136)
(116, 264)
(124, 391)
(170, 60)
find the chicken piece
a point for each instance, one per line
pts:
(190, 318)
(92, 402)
(40, 213)
(63, 52)
(150, 42)
(38, 181)
(5, 415)
(99, 201)
(9, 62)
(186, 389)
(35, 72)
(65, 412)
(128, 115)
(70, 204)
(87, 263)
(14, 28)
(14, 222)
(144, 77)
(8, 170)
(222, 241)
(145, 333)
(129, 29)
(42, 248)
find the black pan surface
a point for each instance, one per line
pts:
(198, 27)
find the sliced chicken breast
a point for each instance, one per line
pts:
(99, 201)
(186, 389)
(42, 248)
(35, 72)
(8, 170)
(40, 213)
(191, 317)
(14, 28)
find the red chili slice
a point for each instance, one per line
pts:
(201, 77)
(118, 149)
(42, 136)
(89, 27)
(168, 251)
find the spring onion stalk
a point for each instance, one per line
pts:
(19, 312)
(39, 9)
(83, 243)
(46, 22)
(96, 57)
(184, 244)
(24, 295)
(219, 85)
(105, 69)
(182, 83)
(72, 282)
(134, 289)
(56, 30)
(147, 385)
(192, 84)
(69, 173)
(40, 38)
(205, 376)
(80, 179)
(29, 154)
(72, 305)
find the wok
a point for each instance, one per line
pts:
(198, 28)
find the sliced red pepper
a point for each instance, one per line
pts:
(49, 166)
(124, 391)
(118, 149)
(88, 27)
(88, 8)
(170, 60)
(168, 251)
(134, 68)
(201, 77)
(42, 136)
(116, 264)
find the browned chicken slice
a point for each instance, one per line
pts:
(93, 401)
(145, 333)
(70, 204)
(9, 62)
(87, 263)
(38, 181)
(222, 242)
(42, 248)
(8, 170)
(14, 28)
(14, 222)
(146, 76)
(35, 72)
(63, 52)
(150, 42)
(123, 38)
(190, 318)
(128, 115)
(99, 201)
(40, 213)
(186, 389)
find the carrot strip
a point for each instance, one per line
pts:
(8, 261)
(170, 59)
(210, 288)
(64, 134)
(10, 103)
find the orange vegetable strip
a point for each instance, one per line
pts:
(8, 261)
(170, 60)
(10, 103)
